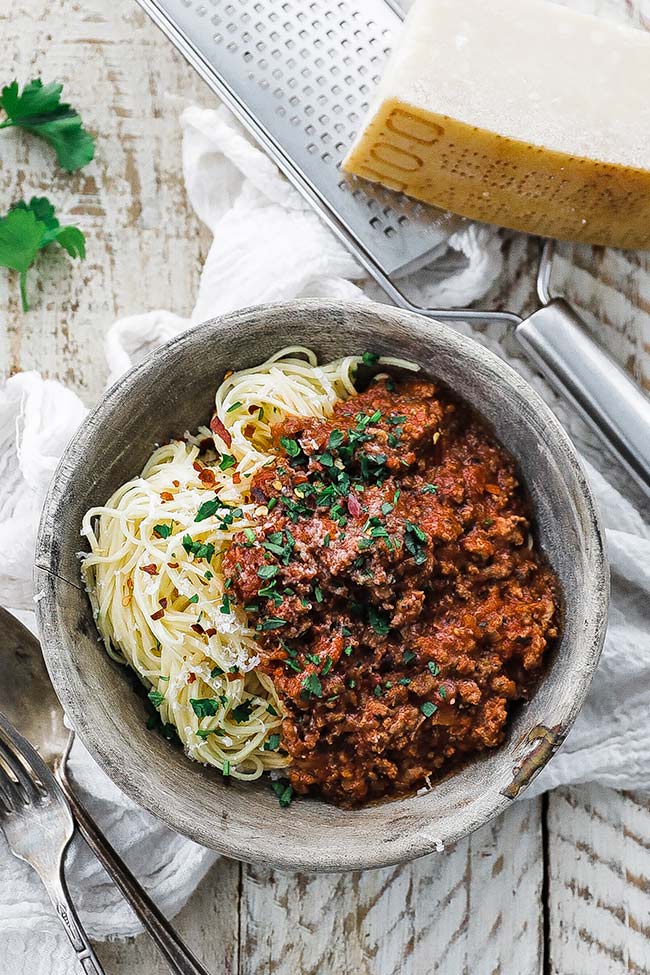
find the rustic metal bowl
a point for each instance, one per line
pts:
(172, 391)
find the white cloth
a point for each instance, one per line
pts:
(269, 245)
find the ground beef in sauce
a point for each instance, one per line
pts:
(399, 604)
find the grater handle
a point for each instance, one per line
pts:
(557, 340)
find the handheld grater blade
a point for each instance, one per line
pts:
(298, 74)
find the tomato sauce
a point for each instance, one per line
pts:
(400, 604)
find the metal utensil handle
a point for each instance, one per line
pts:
(180, 959)
(58, 894)
(608, 400)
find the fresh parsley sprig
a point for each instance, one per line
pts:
(38, 109)
(27, 229)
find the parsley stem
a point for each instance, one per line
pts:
(23, 290)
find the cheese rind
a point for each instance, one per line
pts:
(552, 138)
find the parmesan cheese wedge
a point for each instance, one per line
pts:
(517, 112)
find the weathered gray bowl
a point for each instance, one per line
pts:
(172, 391)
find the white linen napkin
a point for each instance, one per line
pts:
(248, 206)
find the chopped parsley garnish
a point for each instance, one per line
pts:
(267, 571)
(207, 509)
(348, 651)
(284, 792)
(194, 598)
(408, 656)
(156, 698)
(216, 672)
(335, 439)
(225, 605)
(377, 691)
(227, 461)
(271, 623)
(442, 691)
(405, 681)
(235, 406)
(414, 542)
(162, 531)
(328, 666)
(243, 711)
(378, 620)
(370, 358)
(428, 709)
(433, 667)
(206, 732)
(204, 707)
(291, 446)
(271, 710)
(312, 685)
(429, 489)
(272, 743)
(250, 536)
(225, 771)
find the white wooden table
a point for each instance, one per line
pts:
(558, 885)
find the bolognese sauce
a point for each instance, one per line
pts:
(400, 605)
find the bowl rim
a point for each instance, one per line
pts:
(47, 587)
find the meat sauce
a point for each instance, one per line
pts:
(400, 606)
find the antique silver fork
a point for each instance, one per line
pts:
(37, 823)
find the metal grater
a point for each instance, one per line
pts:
(299, 76)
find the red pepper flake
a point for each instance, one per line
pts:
(197, 466)
(129, 583)
(163, 602)
(253, 409)
(236, 478)
(166, 496)
(217, 427)
(235, 676)
(197, 627)
(354, 506)
(249, 430)
(176, 483)
(211, 631)
(206, 476)
(173, 565)
(191, 677)
(151, 570)
(159, 615)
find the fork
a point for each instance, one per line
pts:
(37, 823)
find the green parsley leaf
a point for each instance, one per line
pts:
(216, 672)
(243, 711)
(408, 656)
(433, 667)
(378, 620)
(250, 536)
(312, 685)
(292, 447)
(194, 598)
(204, 707)
(28, 228)
(271, 623)
(156, 698)
(225, 771)
(272, 743)
(429, 489)
(405, 681)
(226, 462)
(162, 531)
(284, 792)
(369, 358)
(335, 439)
(206, 510)
(206, 732)
(428, 709)
(235, 406)
(38, 109)
(267, 571)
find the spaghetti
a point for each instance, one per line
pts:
(154, 571)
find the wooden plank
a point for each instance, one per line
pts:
(599, 881)
(145, 246)
(208, 924)
(473, 908)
